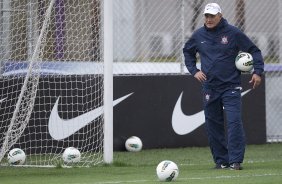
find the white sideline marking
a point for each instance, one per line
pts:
(246, 161)
(133, 181)
(228, 177)
(186, 179)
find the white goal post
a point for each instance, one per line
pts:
(108, 80)
(51, 98)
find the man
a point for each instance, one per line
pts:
(218, 43)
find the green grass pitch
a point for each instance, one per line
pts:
(262, 165)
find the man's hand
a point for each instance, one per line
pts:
(256, 80)
(200, 76)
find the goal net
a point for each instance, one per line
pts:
(52, 80)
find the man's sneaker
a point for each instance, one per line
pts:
(221, 166)
(235, 166)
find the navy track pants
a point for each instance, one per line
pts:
(227, 141)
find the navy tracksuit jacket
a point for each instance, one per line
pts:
(218, 48)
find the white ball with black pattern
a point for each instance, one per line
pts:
(133, 144)
(244, 62)
(16, 157)
(71, 155)
(167, 171)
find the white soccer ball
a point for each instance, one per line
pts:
(71, 155)
(133, 144)
(244, 62)
(16, 157)
(167, 171)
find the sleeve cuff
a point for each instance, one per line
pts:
(194, 72)
(258, 73)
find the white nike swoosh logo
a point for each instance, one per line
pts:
(183, 124)
(61, 129)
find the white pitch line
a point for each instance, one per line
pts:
(246, 161)
(228, 177)
(117, 182)
(186, 179)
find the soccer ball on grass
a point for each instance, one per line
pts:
(71, 155)
(167, 171)
(16, 157)
(244, 62)
(133, 144)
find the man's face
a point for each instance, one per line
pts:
(212, 20)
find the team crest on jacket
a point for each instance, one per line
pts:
(207, 97)
(224, 40)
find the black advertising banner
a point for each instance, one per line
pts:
(165, 111)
